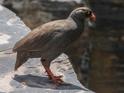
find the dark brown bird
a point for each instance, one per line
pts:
(48, 41)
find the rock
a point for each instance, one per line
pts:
(109, 13)
(107, 60)
(37, 12)
(31, 77)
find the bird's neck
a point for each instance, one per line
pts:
(80, 23)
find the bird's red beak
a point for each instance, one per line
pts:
(93, 17)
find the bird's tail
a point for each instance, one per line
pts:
(6, 51)
(20, 60)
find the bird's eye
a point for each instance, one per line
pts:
(88, 13)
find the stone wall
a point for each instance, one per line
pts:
(109, 13)
(37, 12)
(108, 39)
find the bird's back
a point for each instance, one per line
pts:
(40, 36)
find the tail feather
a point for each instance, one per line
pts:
(14, 49)
(20, 60)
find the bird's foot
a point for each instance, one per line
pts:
(56, 79)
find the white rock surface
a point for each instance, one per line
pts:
(32, 72)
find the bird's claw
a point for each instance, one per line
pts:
(56, 79)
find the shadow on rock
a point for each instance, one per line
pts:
(43, 82)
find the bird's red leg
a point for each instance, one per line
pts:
(56, 79)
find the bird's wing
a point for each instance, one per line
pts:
(39, 37)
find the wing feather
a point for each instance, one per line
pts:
(40, 36)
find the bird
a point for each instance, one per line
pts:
(51, 39)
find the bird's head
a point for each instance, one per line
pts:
(81, 13)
